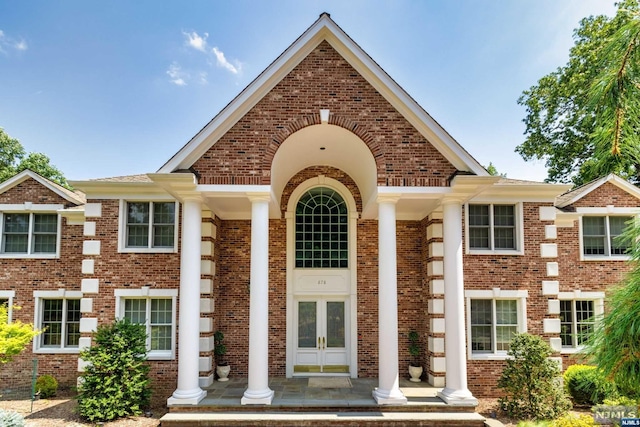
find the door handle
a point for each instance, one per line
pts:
(319, 345)
(323, 343)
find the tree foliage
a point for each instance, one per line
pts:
(14, 336)
(530, 381)
(582, 119)
(115, 382)
(14, 159)
(614, 346)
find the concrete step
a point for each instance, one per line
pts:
(278, 419)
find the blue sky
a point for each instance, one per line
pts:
(116, 88)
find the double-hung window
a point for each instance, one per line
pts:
(6, 301)
(58, 316)
(32, 234)
(149, 226)
(577, 320)
(600, 236)
(493, 227)
(494, 317)
(156, 310)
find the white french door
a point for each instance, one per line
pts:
(320, 341)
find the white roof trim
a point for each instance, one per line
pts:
(612, 178)
(26, 174)
(324, 29)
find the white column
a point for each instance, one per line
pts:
(388, 390)
(188, 391)
(258, 391)
(455, 391)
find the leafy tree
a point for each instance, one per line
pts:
(115, 383)
(574, 115)
(14, 159)
(530, 381)
(614, 345)
(14, 336)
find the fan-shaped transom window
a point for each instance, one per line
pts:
(322, 231)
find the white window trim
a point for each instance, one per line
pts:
(598, 310)
(603, 212)
(9, 295)
(519, 229)
(122, 227)
(146, 293)
(38, 297)
(496, 294)
(30, 208)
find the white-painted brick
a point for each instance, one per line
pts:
(552, 269)
(93, 210)
(84, 342)
(435, 268)
(547, 213)
(204, 364)
(436, 345)
(548, 250)
(437, 325)
(89, 228)
(550, 232)
(554, 306)
(86, 305)
(91, 247)
(436, 287)
(438, 364)
(436, 249)
(88, 324)
(556, 344)
(205, 382)
(436, 381)
(82, 365)
(206, 324)
(434, 231)
(550, 287)
(436, 306)
(90, 286)
(551, 326)
(206, 344)
(206, 305)
(206, 286)
(206, 267)
(206, 248)
(206, 229)
(88, 266)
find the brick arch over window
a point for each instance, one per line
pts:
(288, 129)
(314, 171)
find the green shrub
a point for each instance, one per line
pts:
(47, 386)
(115, 383)
(530, 381)
(570, 420)
(587, 385)
(11, 419)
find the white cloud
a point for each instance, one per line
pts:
(176, 75)
(196, 41)
(222, 61)
(8, 43)
(202, 78)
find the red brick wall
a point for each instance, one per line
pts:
(26, 275)
(323, 80)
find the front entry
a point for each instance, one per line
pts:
(321, 340)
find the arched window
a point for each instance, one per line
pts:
(322, 230)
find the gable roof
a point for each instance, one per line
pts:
(73, 197)
(578, 193)
(324, 29)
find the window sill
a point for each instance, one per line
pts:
(571, 350)
(57, 351)
(514, 252)
(489, 356)
(160, 356)
(601, 258)
(28, 256)
(149, 250)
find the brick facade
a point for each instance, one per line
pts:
(242, 157)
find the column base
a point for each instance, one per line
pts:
(389, 397)
(263, 397)
(189, 397)
(457, 397)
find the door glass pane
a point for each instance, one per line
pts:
(307, 324)
(335, 324)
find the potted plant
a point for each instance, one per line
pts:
(219, 350)
(415, 367)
